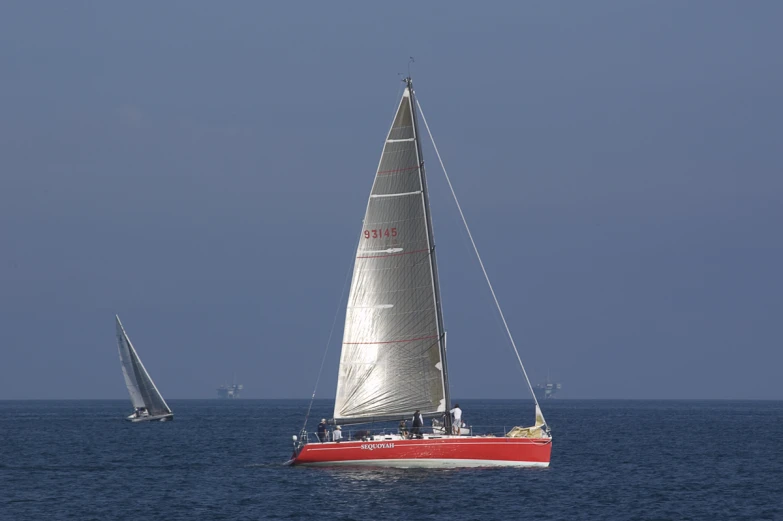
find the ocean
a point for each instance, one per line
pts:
(223, 460)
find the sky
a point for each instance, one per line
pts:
(202, 170)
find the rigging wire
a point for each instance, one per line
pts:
(475, 249)
(337, 313)
(329, 341)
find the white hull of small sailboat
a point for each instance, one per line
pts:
(161, 417)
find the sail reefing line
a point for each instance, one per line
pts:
(481, 263)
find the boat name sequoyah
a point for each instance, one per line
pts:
(373, 446)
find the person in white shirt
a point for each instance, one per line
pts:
(456, 425)
(337, 434)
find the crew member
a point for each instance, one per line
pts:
(456, 426)
(418, 422)
(322, 430)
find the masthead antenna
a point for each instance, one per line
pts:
(409, 65)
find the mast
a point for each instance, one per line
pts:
(433, 263)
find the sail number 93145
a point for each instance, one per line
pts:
(378, 234)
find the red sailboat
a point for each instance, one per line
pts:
(393, 359)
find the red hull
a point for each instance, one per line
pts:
(463, 451)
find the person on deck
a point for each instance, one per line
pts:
(456, 425)
(322, 430)
(337, 434)
(403, 428)
(418, 423)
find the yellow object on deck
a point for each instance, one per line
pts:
(537, 431)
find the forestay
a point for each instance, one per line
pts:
(392, 359)
(143, 392)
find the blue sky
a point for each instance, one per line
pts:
(202, 169)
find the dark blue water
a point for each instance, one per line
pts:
(223, 460)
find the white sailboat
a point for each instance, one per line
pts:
(149, 405)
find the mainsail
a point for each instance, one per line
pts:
(143, 392)
(393, 354)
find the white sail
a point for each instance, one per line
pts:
(141, 388)
(123, 344)
(393, 360)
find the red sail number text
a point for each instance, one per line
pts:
(378, 234)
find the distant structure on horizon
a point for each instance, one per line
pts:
(229, 392)
(546, 390)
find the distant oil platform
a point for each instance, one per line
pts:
(546, 390)
(229, 392)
